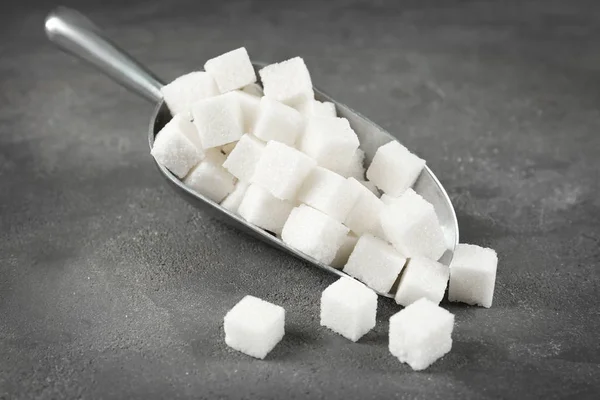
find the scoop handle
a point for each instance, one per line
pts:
(75, 34)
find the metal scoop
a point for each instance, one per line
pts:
(75, 34)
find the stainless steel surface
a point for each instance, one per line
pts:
(74, 32)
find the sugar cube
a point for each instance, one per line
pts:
(328, 192)
(242, 160)
(473, 275)
(254, 89)
(254, 326)
(412, 226)
(288, 81)
(210, 179)
(316, 107)
(374, 262)
(282, 170)
(341, 257)
(232, 70)
(234, 199)
(218, 120)
(276, 121)
(394, 169)
(262, 209)
(314, 233)
(177, 146)
(249, 106)
(421, 333)
(188, 89)
(388, 200)
(422, 277)
(330, 141)
(349, 308)
(363, 217)
(355, 168)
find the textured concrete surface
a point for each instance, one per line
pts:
(113, 287)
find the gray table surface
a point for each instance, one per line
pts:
(113, 287)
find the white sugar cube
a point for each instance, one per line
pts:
(262, 209)
(177, 146)
(364, 214)
(375, 263)
(328, 192)
(279, 122)
(394, 169)
(254, 89)
(234, 199)
(314, 233)
(188, 89)
(316, 107)
(420, 334)
(228, 148)
(282, 170)
(349, 308)
(242, 160)
(210, 179)
(330, 141)
(422, 277)
(249, 106)
(356, 169)
(218, 119)
(342, 255)
(232, 70)
(412, 226)
(288, 82)
(473, 275)
(254, 326)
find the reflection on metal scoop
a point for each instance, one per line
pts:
(75, 34)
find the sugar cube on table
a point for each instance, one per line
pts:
(412, 226)
(349, 308)
(218, 119)
(234, 199)
(177, 146)
(473, 275)
(330, 141)
(279, 122)
(375, 263)
(254, 89)
(328, 192)
(364, 215)
(184, 91)
(262, 209)
(232, 70)
(254, 326)
(242, 160)
(249, 106)
(342, 255)
(314, 233)
(421, 333)
(316, 107)
(356, 169)
(209, 178)
(394, 168)
(288, 82)
(422, 277)
(282, 170)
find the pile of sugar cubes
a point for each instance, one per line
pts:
(286, 163)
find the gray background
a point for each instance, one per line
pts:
(113, 287)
